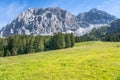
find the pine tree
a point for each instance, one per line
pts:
(58, 41)
(72, 40)
(68, 40)
(12, 45)
(39, 43)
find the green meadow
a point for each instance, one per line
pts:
(85, 61)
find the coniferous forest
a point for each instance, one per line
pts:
(99, 35)
(24, 44)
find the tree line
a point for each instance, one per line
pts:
(24, 44)
(115, 37)
(99, 34)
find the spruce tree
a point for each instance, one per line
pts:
(68, 40)
(72, 40)
(12, 45)
(58, 41)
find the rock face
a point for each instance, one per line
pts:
(51, 20)
(96, 16)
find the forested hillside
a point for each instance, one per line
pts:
(23, 44)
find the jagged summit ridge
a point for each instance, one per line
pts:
(46, 21)
(95, 16)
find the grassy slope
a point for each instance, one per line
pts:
(86, 61)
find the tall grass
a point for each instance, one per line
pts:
(85, 61)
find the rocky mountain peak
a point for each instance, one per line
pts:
(95, 16)
(94, 10)
(46, 21)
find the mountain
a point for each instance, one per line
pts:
(96, 16)
(46, 21)
(41, 21)
(114, 27)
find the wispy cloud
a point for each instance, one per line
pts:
(10, 12)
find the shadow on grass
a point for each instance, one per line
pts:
(118, 78)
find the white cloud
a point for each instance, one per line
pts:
(8, 13)
(111, 6)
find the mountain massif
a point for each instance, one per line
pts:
(46, 21)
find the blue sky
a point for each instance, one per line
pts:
(9, 9)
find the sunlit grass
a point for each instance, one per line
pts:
(86, 61)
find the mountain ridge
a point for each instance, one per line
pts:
(46, 21)
(114, 27)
